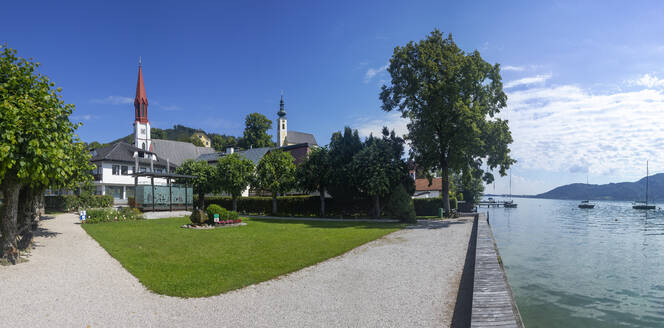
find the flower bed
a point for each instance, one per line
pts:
(97, 215)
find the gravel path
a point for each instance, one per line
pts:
(406, 279)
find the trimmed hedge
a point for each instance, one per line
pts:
(430, 206)
(310, 206)
(68, 203)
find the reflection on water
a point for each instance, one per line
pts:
(571, 267)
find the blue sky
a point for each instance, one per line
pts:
(584, 79)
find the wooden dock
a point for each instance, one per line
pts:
(493, 302)
(493, 204)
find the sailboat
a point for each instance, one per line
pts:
(510, 203)
(586, 203)
(644, 205)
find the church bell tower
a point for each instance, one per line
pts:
(141, 124)
(282, 130)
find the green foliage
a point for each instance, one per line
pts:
(343, 148)
(38, 144)
(213, 209)
(400, 205)
(222, 260)
(206, 177)
(451, 99)
(314, 173)
(255, 131)
(68, 203)
(221, 141)
(196, 141)
(109, 214)
(430, 206)
(235, 174)
(276, 172)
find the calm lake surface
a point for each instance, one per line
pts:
(570, 267)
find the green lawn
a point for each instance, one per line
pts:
(195, 263)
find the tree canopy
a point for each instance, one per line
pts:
(314, 173)
(255, 131)
(343, 146)
(235, 174)
(205, 181)
(450, 99)
(38, 145)
(276, 173)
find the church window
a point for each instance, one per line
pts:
(283, 126)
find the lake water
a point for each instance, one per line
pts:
(570, 267)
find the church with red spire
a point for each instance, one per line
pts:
(141, 123)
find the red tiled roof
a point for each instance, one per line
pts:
(423, 184)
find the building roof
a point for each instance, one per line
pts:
(123, 152)
(178, 151)
(295, 137)
(423, 184)
(254, 155)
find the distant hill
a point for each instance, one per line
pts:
(628, 191)
(177, 133)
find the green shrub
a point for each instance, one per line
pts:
(430, 206)
(232, 215)
(294, 205)
(68, 203)
(97, 215)
(213, 209)
(400, 205)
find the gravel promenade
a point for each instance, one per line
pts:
(406, 279)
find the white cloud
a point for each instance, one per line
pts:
(371, 72)
(539, 79)
(513, 68)
(568, 129)
(113, 100)
(85, 117)
(649, 81)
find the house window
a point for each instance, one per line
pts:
(125, 170)
(143, 169)
(143, 146)
(116, 169)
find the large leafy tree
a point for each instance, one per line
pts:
(378, 168)
(206, 179)
(450, 99)
(314, 174)
(221, 141)
(255, 131)
(235, 174)
(38, 145)
(343, 146)
(276, 173)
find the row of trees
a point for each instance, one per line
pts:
(349, 170)
(38, 148)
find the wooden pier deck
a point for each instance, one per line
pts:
(493, 302)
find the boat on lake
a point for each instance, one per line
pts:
(643, 205)
(586, 203)
(510, 203)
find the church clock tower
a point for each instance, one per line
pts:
(141, 124)
(282, 129)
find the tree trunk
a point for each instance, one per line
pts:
(11, 190)
(274, 203)
(446, 187)
(377, 205)
(28, 211)
(235, 203)
(322, 201)
(201, 201)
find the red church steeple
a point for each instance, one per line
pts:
(141, 100)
